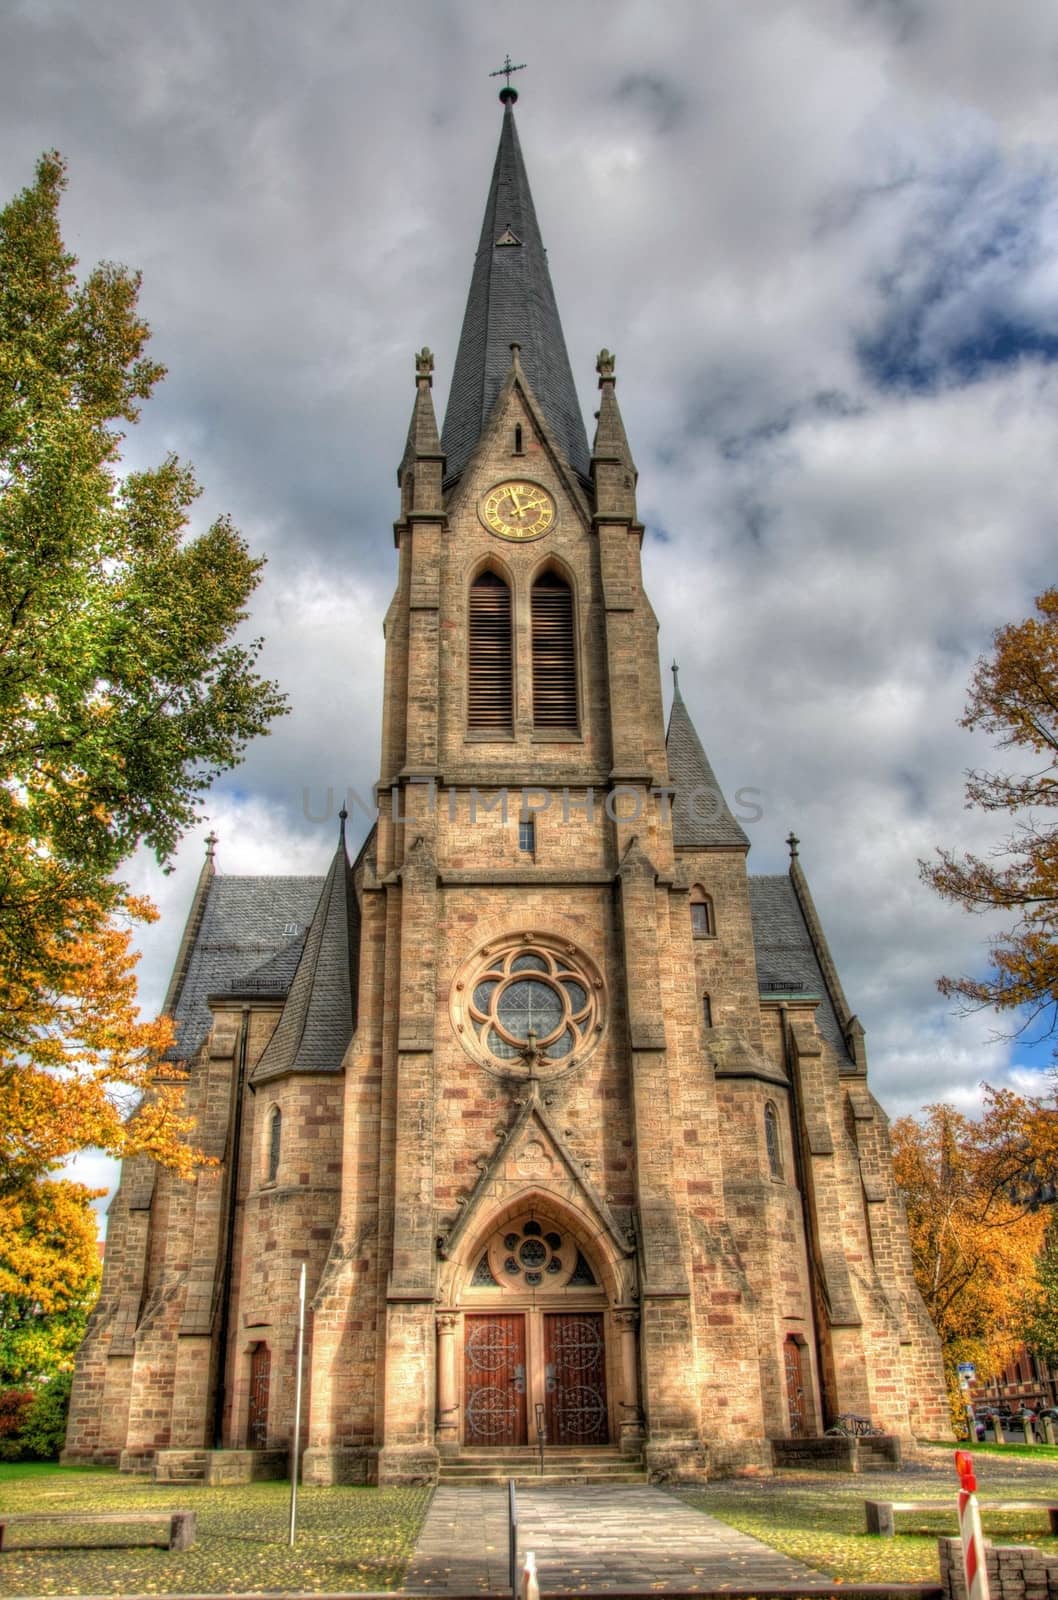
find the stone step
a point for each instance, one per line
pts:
(551, 1479)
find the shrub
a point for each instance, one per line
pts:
(14, 1408)
(43, 1430)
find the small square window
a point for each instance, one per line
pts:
(527, 835)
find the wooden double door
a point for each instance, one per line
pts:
(563, 1371)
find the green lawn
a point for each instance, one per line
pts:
(1025, 1452)
(822, 1524)
(348, 1539)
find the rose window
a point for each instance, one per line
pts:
(529, 1254)
(522, 1006)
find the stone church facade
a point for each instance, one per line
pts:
(565, 1113)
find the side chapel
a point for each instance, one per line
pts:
(566, 1113)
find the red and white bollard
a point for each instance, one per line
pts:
(973, 1544)
(530, 1587)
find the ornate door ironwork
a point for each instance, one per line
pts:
(494, 1380)
(575, 1388)
(796, 1399)
(260, 1377)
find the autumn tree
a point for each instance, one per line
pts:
(125, 689)
(49, 1277)
(969, 1187)
(1014, 696)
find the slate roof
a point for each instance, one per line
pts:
(320, 1011)
(511, 299)
(246, 925)
(700, 816)
(785, 954)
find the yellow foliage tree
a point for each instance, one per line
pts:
(969, 1188)
(49, 1277)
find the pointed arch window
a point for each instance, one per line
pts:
(490, 698)
(771, 1140)
(554, 655)
(703, 920)
(275, 1140)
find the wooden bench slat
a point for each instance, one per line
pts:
(181, 1524)
(880, 1513)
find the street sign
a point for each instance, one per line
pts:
(967, 1369)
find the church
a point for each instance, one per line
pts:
(564, 1112)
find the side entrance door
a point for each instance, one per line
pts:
(260, 1373)
(494, 1380)
(575, 1377)
(796, 1399)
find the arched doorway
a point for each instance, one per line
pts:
(537, 1345)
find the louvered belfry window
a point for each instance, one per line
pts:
(554, 656)
(490, 700)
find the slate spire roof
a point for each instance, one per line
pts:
(320, 1012)
(700, 816)
(511, 300)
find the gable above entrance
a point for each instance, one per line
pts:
(533, 1169)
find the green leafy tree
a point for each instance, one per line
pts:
(124, 689)
(1041, 1333)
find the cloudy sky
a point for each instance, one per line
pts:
(822, 238)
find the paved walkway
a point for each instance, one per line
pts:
(587, 1537)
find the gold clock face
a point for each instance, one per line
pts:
(518, 510)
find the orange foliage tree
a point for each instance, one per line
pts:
(1014, 695)
(970, 1189)
(78, 1067)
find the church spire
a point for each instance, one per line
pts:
(511, 300)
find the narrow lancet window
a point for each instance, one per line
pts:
(490, 699)
(707, 1011)
(275, 1139)
(554, 655)
(771, 1140)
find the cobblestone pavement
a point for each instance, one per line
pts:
(587, 1537)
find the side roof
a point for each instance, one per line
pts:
(244, 924)
(786, 955)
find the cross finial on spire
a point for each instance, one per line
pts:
(675, 670)
(507, 94)
(793, 841)
(211, 844)
(343, 817)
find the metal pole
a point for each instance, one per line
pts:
(512, 1537)
(295, 1443)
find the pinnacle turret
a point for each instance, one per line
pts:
(612, 468)
(701, 819)
(511, 301)
(422, 464)
(320, 1012)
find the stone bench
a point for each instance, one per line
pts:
(180, 1525)
(880, 1513)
